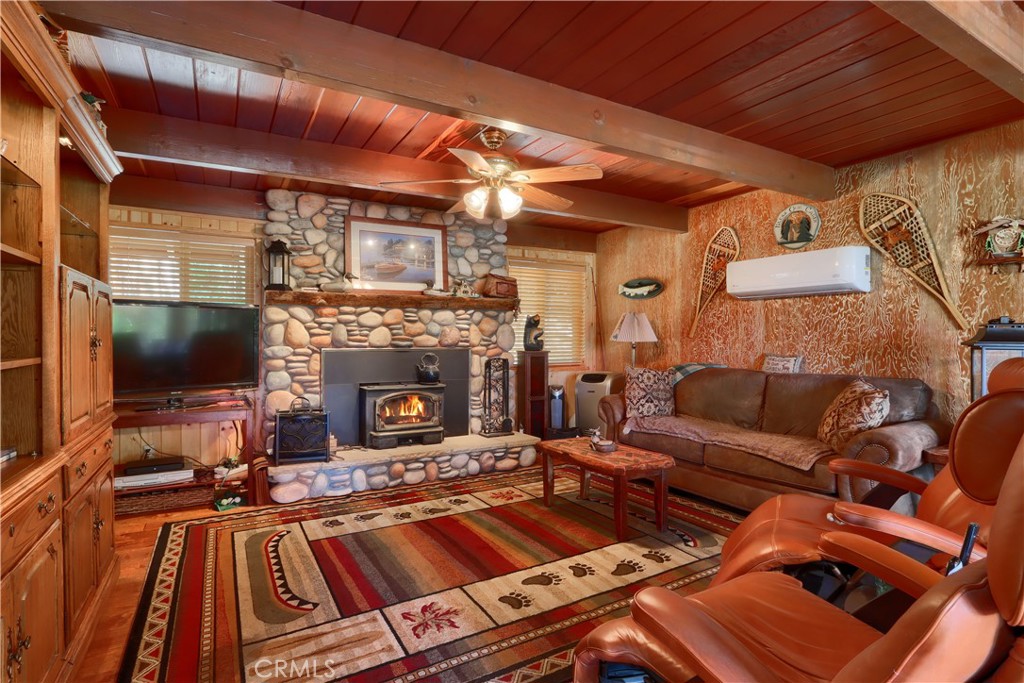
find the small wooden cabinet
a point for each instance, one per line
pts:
(86, 343)
(532, 392)
(32, 613)
(88, 543)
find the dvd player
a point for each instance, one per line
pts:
(153, 465)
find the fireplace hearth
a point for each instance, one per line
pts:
(401, 414)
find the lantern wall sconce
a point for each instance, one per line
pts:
(280, 266)
(1000, 339)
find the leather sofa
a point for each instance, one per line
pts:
(744, 409)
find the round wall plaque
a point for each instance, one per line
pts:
(797, 226)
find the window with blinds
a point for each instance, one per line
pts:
(176, 266)
(556, 292)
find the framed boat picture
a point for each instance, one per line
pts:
(395, 256)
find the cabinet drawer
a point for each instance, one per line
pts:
(87, 462)
(26, 523)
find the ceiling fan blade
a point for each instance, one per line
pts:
(457, 207)
(544, 199)
(460, 181)
(472, 159)
(558, 174)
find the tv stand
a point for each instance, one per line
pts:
(203, 409)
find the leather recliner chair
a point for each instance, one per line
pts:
(764, 626)
(785, 530)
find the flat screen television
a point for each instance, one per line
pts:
(164, 348)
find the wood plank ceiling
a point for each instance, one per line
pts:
(831, 82)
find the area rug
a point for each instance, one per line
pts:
(461, 581)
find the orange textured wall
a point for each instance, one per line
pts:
(897, 329)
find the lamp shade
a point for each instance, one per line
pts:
(634, 327)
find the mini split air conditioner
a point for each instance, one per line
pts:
(826, 271)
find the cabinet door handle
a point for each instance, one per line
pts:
(16, 645)
(81, 469)
(13, 656)
(47, 507)
(50, 549)
(109, 443)
(10, 531)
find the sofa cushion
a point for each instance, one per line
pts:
(649, 392)
(795, 404)
(818, 478)
(798, 452)
(724, 395)
(677, 447)
(858, 408)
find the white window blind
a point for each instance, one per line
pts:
(176, 266)
(556, 292)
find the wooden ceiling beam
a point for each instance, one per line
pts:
(140, 135)
(173, 195)
(176, 196)
(302, 46)
(984, 35)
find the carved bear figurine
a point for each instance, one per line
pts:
(532, 334)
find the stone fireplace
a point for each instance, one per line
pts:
(298, 326)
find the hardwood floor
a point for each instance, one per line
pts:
(134, 538)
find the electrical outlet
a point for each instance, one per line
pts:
(148, 452)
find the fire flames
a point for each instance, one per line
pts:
(410, 409)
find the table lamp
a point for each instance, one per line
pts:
(633, 328)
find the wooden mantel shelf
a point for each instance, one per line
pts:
(390, 300)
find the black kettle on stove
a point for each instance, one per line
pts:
(428, 370)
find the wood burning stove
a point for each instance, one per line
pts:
(400, 414)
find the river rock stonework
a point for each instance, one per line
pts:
(292, 367)
(350, 471)
(313, 226)
(293, 336)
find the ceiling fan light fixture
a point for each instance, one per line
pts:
(510, 202)
(476, 202)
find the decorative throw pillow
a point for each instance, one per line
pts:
(649, 392)
(786, 364)
(858, 407)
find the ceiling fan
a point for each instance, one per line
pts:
(503, 186)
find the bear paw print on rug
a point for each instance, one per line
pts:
(627, 567)
(542, 579)
(657, 556)
(516, 600)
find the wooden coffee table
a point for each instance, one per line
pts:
(623, 465)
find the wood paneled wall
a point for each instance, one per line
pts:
(211, 442)
(897, 329)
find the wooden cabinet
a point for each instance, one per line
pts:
(532, 391)
(86, 345)
(88, 543)
(32, 613)
(28, 129)
(40, 101)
